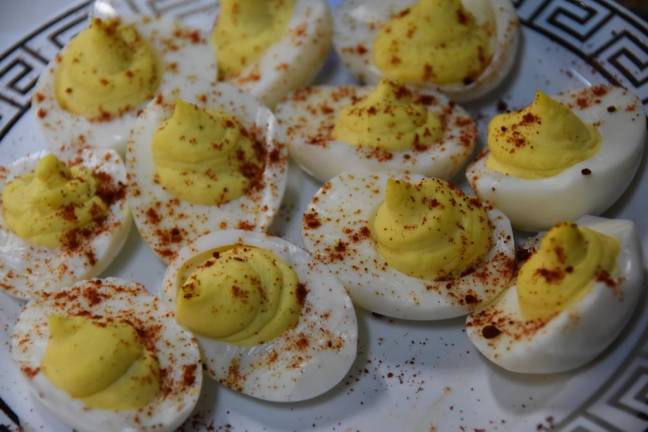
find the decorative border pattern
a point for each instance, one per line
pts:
(8, 419)
(622, 399)
(21, 64)
(605, 36)
(612, 41)
(178, 8)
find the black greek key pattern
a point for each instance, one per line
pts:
(177, 8)
(196, 13)
(21, 65)
(605, 36)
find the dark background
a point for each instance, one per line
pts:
(640, 7)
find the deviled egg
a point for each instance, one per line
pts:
(409, 247)
(571, 299)
(91, 93)
(269, 47)
(384, 128)
(104, 355)
(271, 322)
(459, 47)
(63, 218)
(561, 157)
(216, 162)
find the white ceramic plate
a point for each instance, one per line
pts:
(409, 376)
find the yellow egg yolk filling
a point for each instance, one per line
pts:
(245, 29)
(106, 70)
(241, 295)
(436, 41)
(104, 364)
(562, 270)
(540, 141)
(430, 230)
(206, 157)
(45, 204)
(388, 118)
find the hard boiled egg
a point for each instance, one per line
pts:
(461, 48)
(105, 355)
(572, 298)
(407, 246)
(384, 128)
(196, 166)
(63, 218)
(269, 47)
(561, 157)
(295, 350)
(92, 92)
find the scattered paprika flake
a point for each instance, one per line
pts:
(311, 220)
(301, 292)
(491, 332)
(471, 299)
(246, 226)
(30, 372)
(604, 276)
(189, 375)
(551, 275)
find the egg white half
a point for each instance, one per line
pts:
(307, 118)
(187, 62)
(167, 223)
(303, 362)
(176, 350)
(588, 187)
(340, 213)
(28, 270)
(357, 23)
(294, 60)
(579, 333)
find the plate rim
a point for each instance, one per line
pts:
(530, 16)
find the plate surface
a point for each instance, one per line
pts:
(408, 375)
